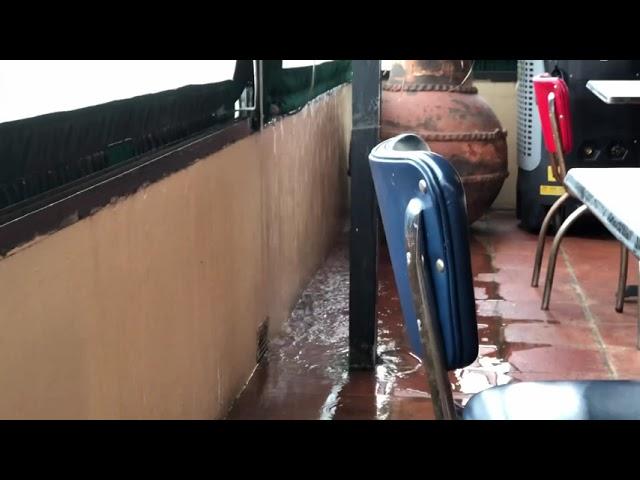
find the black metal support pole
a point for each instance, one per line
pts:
(364, 216)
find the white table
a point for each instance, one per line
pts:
(616, 91)
(613, 196)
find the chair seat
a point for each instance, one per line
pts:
(557, 400)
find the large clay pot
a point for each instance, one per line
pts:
(436, 99)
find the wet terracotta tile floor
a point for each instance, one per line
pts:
(306, 376)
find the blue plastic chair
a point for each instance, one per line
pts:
(424, 215)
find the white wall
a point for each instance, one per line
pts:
(502, 98)
(150, 307)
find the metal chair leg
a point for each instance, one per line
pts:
(542, 236)
(622, 278)
(554, 253)
(430, 334)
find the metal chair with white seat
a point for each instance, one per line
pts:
(552, 98)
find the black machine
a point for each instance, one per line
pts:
(603, 135)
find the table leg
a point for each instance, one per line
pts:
(622, 278)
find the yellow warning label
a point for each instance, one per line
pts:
(550, 177)
(555, 190)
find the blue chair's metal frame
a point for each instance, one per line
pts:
(431, 336)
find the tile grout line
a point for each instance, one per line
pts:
(591, 318)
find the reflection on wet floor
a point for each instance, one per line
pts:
(305, 374)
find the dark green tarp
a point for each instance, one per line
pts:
(495, 65)
(43, 153)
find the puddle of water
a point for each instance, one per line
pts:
(315, 344)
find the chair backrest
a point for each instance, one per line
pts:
(411, 180)
(552, 99)
(424, 214)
